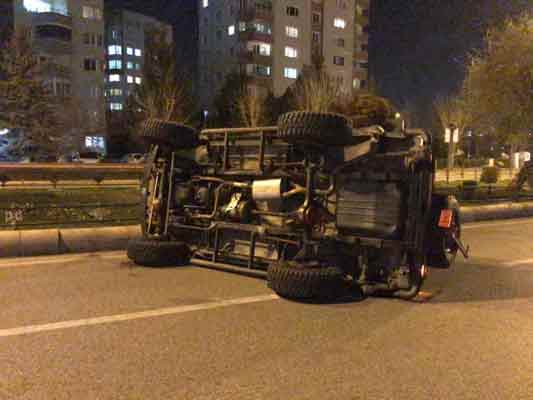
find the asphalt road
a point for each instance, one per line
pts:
(95, 327)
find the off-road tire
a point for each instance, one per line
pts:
(295, 281)
(312, 127)
(155, 131)
(158, 253)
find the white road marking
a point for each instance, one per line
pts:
(496, 224)
(32, 261)
(26, 330)
(518, 262)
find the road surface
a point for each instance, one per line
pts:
(96, 327)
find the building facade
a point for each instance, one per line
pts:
(125, 40)
(68, 38)
(273, 40)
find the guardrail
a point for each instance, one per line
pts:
(470, 174)
(57, 174)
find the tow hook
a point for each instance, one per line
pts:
(464, 250)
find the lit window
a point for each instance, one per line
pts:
(129, 51)
(340, 42)
(138, 52)
(138, 80)
(292, 11)
(339, 23)
(291, 52)
(205, 3)
(291, 73)
(115, 92)
(38, 6)
(356, 83)
(115, 64)
(242, 26)
(137, 66)
(114, 78)
(130, 79)
(129, 65)
(231, 30)
(337, 60)
(88, 12)
(291, 31)
(95, 142)
(97, 13)
(263, 49)
(114, 50)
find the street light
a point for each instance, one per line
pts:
(451, 136)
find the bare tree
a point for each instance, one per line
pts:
(316, 90)
(252, 107)
(452, 110)
(162, 94)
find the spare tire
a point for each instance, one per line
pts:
(314, 127)
(155, 131)
(158, 253)
(297, 281)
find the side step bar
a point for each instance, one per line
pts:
(255, 273)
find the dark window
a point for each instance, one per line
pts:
(316, 36)
(364, 47)
(89, 64)
(363, 65)
(100, 40)
(292, 11)
(316, 18)
(338, 60)
(340, 42)
(86, 38)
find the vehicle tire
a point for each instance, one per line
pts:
(155, 131)
(296, 281)
(314, 127)
(158, 253)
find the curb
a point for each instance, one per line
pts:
(64, 241)
(497, 211)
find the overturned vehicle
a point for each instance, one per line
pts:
(316, 207)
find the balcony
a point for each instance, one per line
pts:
(53, 39)
(255, 36)
(256, 14)
(52, 18)
(52, 46)
(253, 57)
(52, 69)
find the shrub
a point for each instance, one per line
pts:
(490, 175)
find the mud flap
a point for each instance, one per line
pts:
(443, 238)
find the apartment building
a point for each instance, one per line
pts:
(273, 40)
(125, 41)
(68, 38)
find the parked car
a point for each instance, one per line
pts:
(89, 157)
(133, 158)
(313, 205)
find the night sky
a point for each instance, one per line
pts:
(417, 47)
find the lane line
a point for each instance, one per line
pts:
(30, 262)
(518, 262)
(496, 224)
(31, 329)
